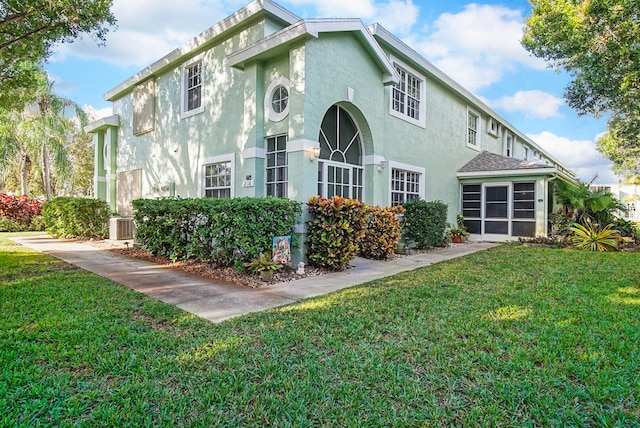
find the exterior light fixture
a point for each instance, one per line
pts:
(315, 153)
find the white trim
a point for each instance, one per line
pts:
(268, 99)
(229, 157)
(372, 160)
(510, 172)
(422, 111)
(478, 145)
(102, 123)
(302, 145)
(183, 86)
(490, 122)
(411, 168)
(254, 153)
(200, 42)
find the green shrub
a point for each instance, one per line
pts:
(425, 222)
(8, 225)
(381, 232)
(69, 217)
(594, 238)
(227, 231)
(335, 231)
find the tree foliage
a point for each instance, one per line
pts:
(43, 144)
(596, 42)
(29, 29)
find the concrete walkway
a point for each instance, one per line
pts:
(217, 301)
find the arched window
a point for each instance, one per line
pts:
(340, 169)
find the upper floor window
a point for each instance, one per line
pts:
(407, 96)
(473, 119)
(493, 127)
(276, 102)
(508, 149)
(192, 74)
(526, 153)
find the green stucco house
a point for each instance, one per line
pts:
(267, 104)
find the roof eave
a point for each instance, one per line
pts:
(199, 42)
(102, 123)
(510, 172)
(382, 33)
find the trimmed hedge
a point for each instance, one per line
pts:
(227, 231)
(382, 232)
(425, 222)
(334, 234)
(69, 217)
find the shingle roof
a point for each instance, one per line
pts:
(487, 161)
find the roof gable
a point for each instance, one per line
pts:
(311, 28)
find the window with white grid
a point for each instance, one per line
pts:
(277, 173)
(192, 91)
(217, 180)
(405, 186)
(473, 119)
(407, 96)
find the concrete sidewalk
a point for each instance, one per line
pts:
(217, 301)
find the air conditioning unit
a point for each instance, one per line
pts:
(120, 228)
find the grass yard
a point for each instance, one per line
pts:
(511, 336)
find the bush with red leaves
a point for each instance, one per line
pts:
(19, 209)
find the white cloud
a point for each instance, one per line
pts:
(534, 104)
(95, 114)
(579, 155)
(477, 46)
(397, 16)
(149, 29)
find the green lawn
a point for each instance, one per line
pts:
(511, 336)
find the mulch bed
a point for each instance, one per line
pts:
(226, 274)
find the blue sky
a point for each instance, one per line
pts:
(477, 44)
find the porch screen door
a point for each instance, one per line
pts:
(496, 210)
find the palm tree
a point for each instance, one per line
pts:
(39, 136)
(584, 204)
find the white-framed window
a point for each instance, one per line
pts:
(276, 100)
(408, 95)
(473, 122)
(525, 154)
(493, 127)
(406, 182)
(192, 88)
(216, 176)
(277, 168)
(508, 144)
(405, 186)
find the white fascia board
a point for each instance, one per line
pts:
(192, 46)
(292, 33)
(509, 172)
(380, 32)
(102, 123)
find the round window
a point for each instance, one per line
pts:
(280, 99)
(276, 100)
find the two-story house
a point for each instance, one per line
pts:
(265, 103)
